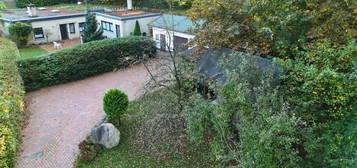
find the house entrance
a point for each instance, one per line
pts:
(64, 31)
(162, 42)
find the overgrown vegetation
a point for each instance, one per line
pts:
(84, 60)
(250, 125)
(11, 103)
(315, 42)
(115, 103)
(20, 33)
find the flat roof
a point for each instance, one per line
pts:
(42, 14)
(125, 14)
(174, 23)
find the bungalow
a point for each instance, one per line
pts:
(48, 24)
(171, 32)
(117, 24)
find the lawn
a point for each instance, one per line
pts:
(31, 52)
(129, 154)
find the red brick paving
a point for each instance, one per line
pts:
(61, 116)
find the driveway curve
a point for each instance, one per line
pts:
(61, 116)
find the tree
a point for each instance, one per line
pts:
(91, 31)
(274, 28)
(20, 32)
(137, 31)
(115, 103)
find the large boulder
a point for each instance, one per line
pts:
(105, 134)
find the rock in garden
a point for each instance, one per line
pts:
(106, 134)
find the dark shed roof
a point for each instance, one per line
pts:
(210, 63)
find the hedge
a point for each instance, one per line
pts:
(11, 103)
(84, 60)
(24, 3)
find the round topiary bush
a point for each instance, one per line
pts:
(115, 103)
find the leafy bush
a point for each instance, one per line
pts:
(11, 103)
(321, 83)
(20, 33)
(24, 3)
(251, 125)
(89, 151)
(84, 60)
(115, 103)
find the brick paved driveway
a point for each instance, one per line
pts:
(61, 116)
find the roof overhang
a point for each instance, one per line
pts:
(39, 19)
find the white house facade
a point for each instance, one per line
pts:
(117, 24)
(48, 24)
(171, 32)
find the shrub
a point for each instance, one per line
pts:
(11, 103)
(137, 31)
(84, 60)
(251, 125)
(20, 33)
(24, 3)
(115, 103)
(89, 151)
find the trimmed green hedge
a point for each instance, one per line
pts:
(24, 3)
(84, 60)
(11, 103)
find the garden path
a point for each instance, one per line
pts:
(61, 116)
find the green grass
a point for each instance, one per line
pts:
(126, 155)
(31, 52)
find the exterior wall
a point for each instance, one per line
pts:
(169, 35)
(51, 27)
(110, 34)
(126, 26)
(129, 25)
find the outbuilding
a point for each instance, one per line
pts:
(172, 32)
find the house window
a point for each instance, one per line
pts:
(157, 37)
(81, 26)
(38, 33)
(107, 26)
(72, 29)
